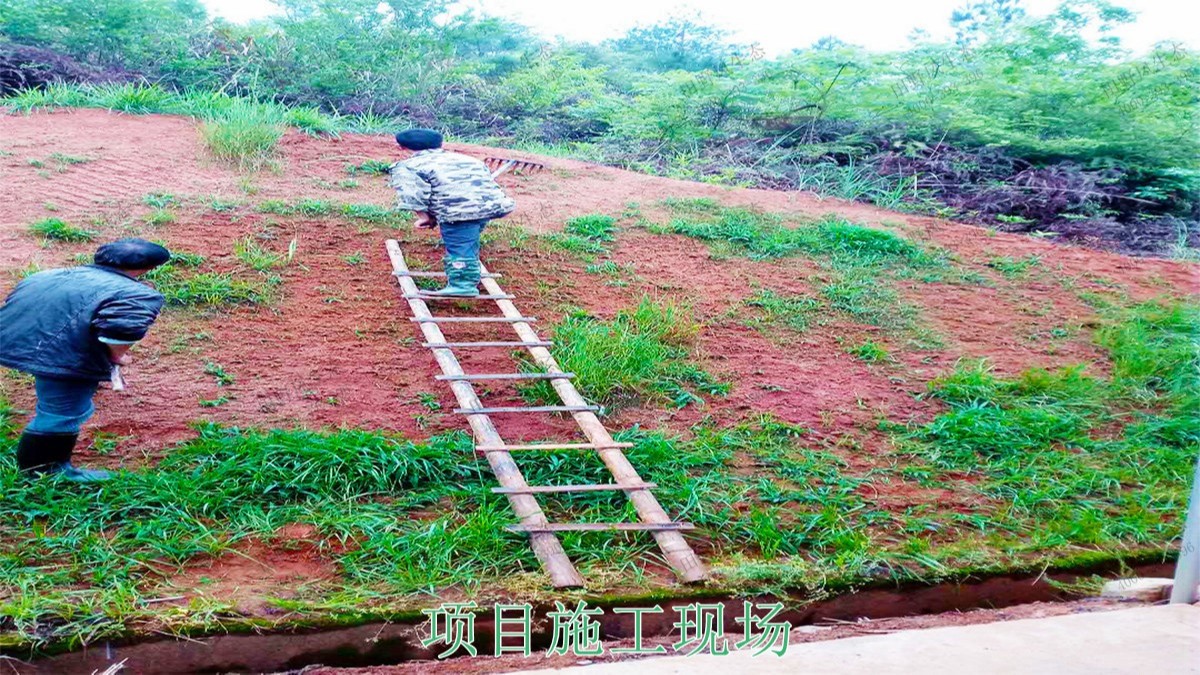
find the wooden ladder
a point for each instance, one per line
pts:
(521, 495)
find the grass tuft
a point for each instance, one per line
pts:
(245, 134)
(371, 167)
(60, 230)
(585, 235)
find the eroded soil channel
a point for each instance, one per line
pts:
(387, 643)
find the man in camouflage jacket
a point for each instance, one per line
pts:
(454, 193)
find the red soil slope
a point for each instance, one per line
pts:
(338, 349)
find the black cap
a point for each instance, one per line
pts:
(132, 254)
(419, 139)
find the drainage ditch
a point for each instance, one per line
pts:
(392, 643)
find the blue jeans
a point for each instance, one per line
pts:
(462, 239)
(62, 405)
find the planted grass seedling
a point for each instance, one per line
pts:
(57, 229)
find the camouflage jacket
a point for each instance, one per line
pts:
(450, 186)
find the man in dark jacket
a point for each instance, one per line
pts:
(68, 328)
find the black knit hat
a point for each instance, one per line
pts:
(132, 254)
(419, 139)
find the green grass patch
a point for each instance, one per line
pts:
(371, 167)
(1015, 268)
(251, 253)
(159, 217)
(1078, 459)
(160, 200)
(762, 235)
(643, 354)
(182, 284)
(795, 312)
(246, 134)
(365, 215)
(862, 264)
(381, 215)
(60, 230)
(869, 351)
(595, 227)
(585, 235)
(242, 128)
(312, 121)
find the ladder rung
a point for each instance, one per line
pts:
(553, 446)
(540, 489)
(600, 527)
(475, 319)
(430, 296)
(531, 409)
(508, 376)
(411, 273)
(447, 345)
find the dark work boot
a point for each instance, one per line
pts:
(41, 454)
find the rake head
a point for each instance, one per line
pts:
(502, 165)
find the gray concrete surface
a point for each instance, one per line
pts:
(1162, 640)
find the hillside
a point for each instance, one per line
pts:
(834, 352)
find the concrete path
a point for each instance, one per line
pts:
(1162, 640)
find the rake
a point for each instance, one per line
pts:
(502, 165)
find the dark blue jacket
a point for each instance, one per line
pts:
(52, 322)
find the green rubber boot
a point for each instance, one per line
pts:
(462, 278)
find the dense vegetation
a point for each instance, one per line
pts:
(1020, 122)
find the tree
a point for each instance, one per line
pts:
(983, 17)
(135, 34)
(679, 43)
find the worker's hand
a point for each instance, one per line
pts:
(123, 360)
(424, 221)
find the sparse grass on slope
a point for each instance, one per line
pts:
(862, 263)
(1078, 459)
